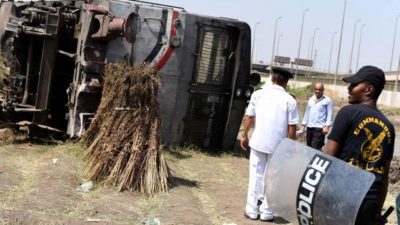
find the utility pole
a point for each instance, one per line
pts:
(301, 34)
(359, 45)
(277, 45)
(352, 45)
(330, 55)
(394, 42)
(273, 45)
(340, 44)
(312, 50)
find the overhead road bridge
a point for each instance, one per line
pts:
(311, 76)
(301, 72)
(389, 97)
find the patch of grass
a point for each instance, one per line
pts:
(10, 222)
(184, 166)
(187, 151)
(302, 95)
(44, 148)
(26, 176)
(209, 206)
(232, 176)
(258, 86)
(75, 149)
(190, 148)
(304, 92)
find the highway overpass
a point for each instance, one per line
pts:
(303, 74)
(388, 97)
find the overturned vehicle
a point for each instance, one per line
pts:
(55, 53)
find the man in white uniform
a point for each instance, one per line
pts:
(274, 113)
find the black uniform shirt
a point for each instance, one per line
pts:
(366, 140)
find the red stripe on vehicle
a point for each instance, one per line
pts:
(164, 58)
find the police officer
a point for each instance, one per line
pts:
(274, 113)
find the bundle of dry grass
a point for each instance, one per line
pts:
(123, 139)
(3, 69)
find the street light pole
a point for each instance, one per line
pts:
(359, 46)
(312, 50)
(394, 41)
(309, 48)
(313, 40)
(340, 44)
(254, 42)
(330, 54)
(277, 45)
(301, 35)
(352, 45)
(273, 45)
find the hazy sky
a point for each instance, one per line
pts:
(379, 17)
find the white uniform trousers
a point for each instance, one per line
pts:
(257, 171)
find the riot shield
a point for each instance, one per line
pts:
(306, 186)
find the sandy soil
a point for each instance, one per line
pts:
(33, 190)
(209, 189)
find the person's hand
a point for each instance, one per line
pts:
(325, 130)
(299, 133)
(302, 128)
(244, 143)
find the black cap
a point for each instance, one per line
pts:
(372, 74)
(282, 72)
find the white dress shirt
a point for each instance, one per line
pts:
(319, 112)
(274, 109)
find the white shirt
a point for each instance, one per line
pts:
(274, 109)
(319, 112)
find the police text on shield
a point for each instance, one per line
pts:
(309, 184)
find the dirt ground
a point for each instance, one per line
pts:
(209, 189)
(34, 190)
(39, 185)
